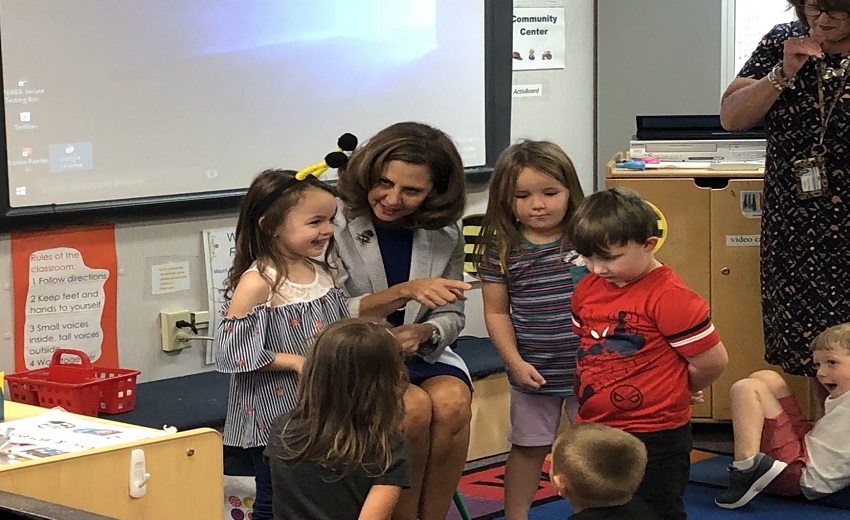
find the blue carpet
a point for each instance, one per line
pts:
(699, 503)
(713, 472)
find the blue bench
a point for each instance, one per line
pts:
(480, 356)
(200, 400)
(194, 401)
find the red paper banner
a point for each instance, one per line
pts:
(65, 292)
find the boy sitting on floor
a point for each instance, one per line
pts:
(597, 469)
(775, 447)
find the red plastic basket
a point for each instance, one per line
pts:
(77, 387)
(117, 389)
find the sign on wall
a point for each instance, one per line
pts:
(538, 38)
(65, 293)
(219, 250)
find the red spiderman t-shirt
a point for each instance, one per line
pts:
(631, 368)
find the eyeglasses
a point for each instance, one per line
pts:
(814, 12)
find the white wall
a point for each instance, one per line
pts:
(564, 114)
(655, 57)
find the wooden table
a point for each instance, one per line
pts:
(187, 477)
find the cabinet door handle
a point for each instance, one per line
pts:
(725, 271)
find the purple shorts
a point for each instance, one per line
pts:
(535, 418)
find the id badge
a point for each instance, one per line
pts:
(811, 177)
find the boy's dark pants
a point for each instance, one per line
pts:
(668, 470)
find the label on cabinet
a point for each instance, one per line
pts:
(743, 240)
(752, 202)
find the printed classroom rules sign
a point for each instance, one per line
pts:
(65, 293)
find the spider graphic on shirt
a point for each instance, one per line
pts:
(606, 363)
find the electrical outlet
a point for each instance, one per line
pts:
(201, 319)
(169, 330)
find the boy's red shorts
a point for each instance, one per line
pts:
(783, 438)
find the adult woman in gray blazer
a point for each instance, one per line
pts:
(402, 194)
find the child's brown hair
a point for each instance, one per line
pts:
(501, 229)
(603, 466)
(349, 400)
(834, 338)
(613, 217)
(257, 225)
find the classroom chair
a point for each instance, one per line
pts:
(471, 230)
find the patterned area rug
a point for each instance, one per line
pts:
(483, 490)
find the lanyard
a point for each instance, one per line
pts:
(819, 149)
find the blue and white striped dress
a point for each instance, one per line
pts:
(287, 323)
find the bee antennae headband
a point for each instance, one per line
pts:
(346, 143)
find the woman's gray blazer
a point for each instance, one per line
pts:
(436, 254)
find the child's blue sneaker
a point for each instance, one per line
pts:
(744, 485)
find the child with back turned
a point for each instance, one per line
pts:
(527, 283)
(776, 448)
(647, 341)
(339, 454)
(597, 469)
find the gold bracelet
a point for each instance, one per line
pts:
(778, 78)
(771, 76)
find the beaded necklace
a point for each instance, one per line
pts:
(834, 72)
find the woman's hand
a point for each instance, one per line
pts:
(435, 292)
(411, 336)
(430, 292)
(797, 51)
(526, 376)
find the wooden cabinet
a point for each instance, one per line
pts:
(712, 244)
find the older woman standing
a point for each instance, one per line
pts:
(797, 79)
(402, 194)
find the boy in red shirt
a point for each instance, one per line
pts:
(647, 341)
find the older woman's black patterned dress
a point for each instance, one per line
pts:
(805, 244)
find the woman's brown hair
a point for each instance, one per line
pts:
(350, 399)
(256, 227)
(412, 143)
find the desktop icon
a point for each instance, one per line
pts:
(25, 117)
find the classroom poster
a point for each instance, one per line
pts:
(539, 38)
(219, 250)
(65, 293)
